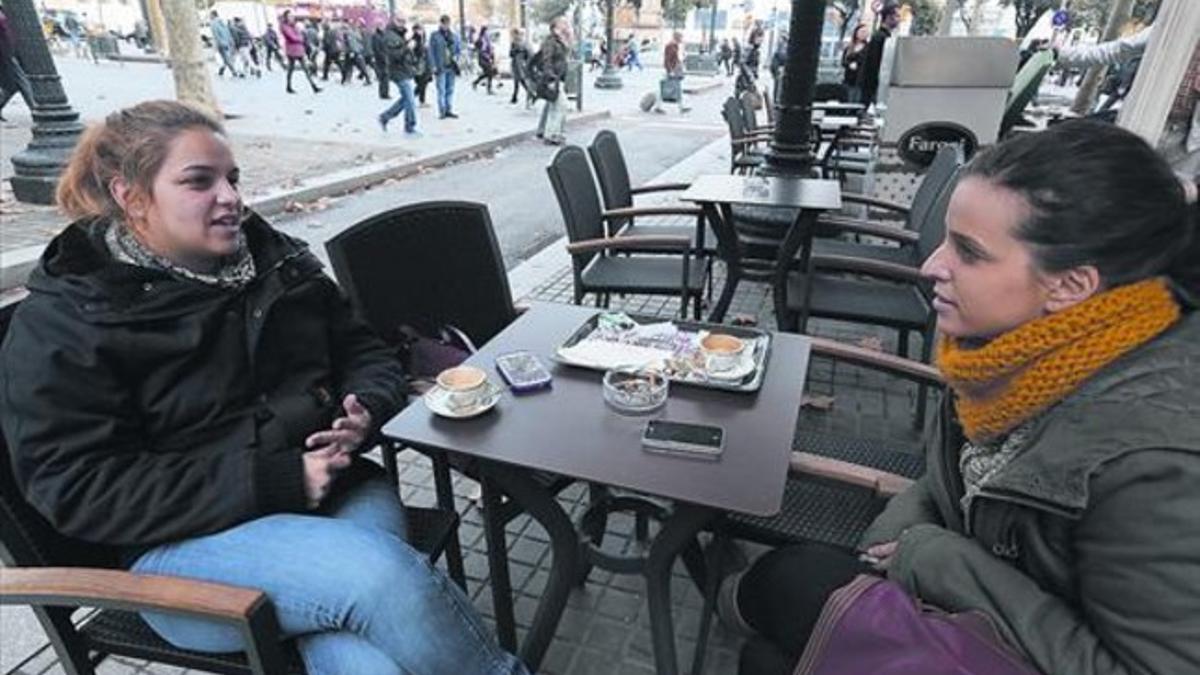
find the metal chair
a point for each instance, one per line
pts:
(612, 173)
(745, 151)
(940, 172)
(597, 272)
(55, 575)
(836, 485)
(432, 265)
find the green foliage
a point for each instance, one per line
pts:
(927, 14)
(1028, 12)
(1093, 14)
(543, 11)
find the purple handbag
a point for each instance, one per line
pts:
(871, 625)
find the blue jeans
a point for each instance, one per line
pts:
(632, 59)
(358, 598)
(445, 92)
(406, 104)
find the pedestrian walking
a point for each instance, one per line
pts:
(889, 20)
(737, 57)
(633, 53)
(671, 88)
(13, 80)
(853, 60)
(295, 48)
(518, 56)
(312, 45)
(222, 39)
(379, 56)
(331, 46)
(241, 48)
(422, 71)
(271, 45)
(725, 57)
(444, 51)
(400, 62)
(485, 54)
(552, 69)
(356, 46)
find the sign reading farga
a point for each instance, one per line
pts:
(921, 143)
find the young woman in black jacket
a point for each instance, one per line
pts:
(185, 384)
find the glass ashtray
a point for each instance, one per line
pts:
(635, 392)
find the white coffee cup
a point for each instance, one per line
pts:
(466, 385)
(722, 352)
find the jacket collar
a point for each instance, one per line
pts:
(1136, 403)
(77, 266)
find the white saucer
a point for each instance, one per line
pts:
(744, 367)
(438, 402)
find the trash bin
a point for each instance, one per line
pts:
(941, 90)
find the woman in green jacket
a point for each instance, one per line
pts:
(1061, 496)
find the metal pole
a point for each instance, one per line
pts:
(462, 20)
(793, 147)
(56, 126)
(712, 28)
(610, 78)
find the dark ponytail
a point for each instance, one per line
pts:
(1099, 195)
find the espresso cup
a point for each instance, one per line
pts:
(721, 352)
(466, 386)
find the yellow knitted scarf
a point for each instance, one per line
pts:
(1025, 371)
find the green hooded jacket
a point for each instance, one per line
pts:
(1085, 549)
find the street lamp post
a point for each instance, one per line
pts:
(609, 79)
(793, 146)
(56, 126)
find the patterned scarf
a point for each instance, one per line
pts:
(233, 271)
(1029, 369)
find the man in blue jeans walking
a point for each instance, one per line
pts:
(400, 65)
(444, 51)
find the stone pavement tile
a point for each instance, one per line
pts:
(589, 662)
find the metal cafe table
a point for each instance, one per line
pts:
(718, 194)
(568, 430)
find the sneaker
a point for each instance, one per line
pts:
(413, 133)
(451, 115)
(383, 122)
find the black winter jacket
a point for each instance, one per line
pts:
(400, 58)
(142, 408)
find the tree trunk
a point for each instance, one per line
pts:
(158, 27)
(192, 83)
(948, 17)
(1085, 98)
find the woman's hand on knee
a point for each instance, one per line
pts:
(321, 466)
(880, 556)
(347, 432)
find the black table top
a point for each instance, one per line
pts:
(568, 430)
(803, 193)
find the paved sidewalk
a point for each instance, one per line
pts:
(605, 629)
(295, 148)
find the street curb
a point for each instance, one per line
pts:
(16, 264)
(347, 180)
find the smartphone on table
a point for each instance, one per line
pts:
(523, 371)
(681, 439)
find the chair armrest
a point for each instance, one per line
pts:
(663, 210)
(636, 242)
(854, 226)
(855, 198)
(660, 187)
(875, 360)
(883, 483)
(868, 266)
(117, 589)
